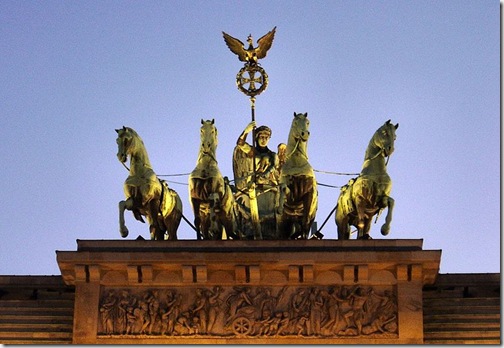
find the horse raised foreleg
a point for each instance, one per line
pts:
(123, 205)
(389, 201)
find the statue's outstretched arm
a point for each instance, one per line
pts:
(243, 136)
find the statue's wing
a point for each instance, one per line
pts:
(236, 46)
(242, 167)
(264, 44)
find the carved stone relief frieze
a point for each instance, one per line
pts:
(249, 311)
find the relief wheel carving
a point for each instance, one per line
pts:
(252, 80)
(242, 326)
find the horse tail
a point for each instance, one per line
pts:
(170, 211)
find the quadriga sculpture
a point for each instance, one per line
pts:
(211, 197)
(146, 195)
(298, 195)
(369, 193)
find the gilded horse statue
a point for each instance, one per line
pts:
(369, 193)
(298, 194)
(146, 195)
(211, 197)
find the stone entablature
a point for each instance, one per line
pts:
(301, 291)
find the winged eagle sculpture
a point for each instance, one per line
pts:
(251, 54)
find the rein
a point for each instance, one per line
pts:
(375, 156)
(388, 158)
(378, 154)
(211, 156)
(125, 166)
(294, 150)
(203, 153)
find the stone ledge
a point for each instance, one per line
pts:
(130, 259)
(250, 245)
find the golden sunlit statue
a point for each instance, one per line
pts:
(369, 193)
(257, 191)
(211, 197)
(274, 195)
(298, 197)
(146, 195)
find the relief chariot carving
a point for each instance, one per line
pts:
(245, 311)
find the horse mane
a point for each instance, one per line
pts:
(371, 146)
(140, 145)
(291, 141)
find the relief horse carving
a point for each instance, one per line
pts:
(146, 195)
(298, 194)
(369, 193)
(211, 197)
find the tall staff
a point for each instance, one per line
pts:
(252, 80)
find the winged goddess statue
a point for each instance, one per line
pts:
(251, 54)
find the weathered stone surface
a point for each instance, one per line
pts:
(301, 291)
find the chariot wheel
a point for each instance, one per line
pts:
(242, 326)
(253, 84)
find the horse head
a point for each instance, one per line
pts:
(300, 127)
(208, 137)
(385, 137)
(125, 143)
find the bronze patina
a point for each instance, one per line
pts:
(256, 190)
(274, 196)
(146, 195)
(298, 195)
(369, 193)
(211, 197)
(251, 86)
(251, 54)
(252, 79)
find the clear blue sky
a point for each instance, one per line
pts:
(73, 71)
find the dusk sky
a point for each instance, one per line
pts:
(73, 71)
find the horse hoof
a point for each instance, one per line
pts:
(124, 232)
(385, 230)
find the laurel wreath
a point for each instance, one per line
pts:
(252, 80)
